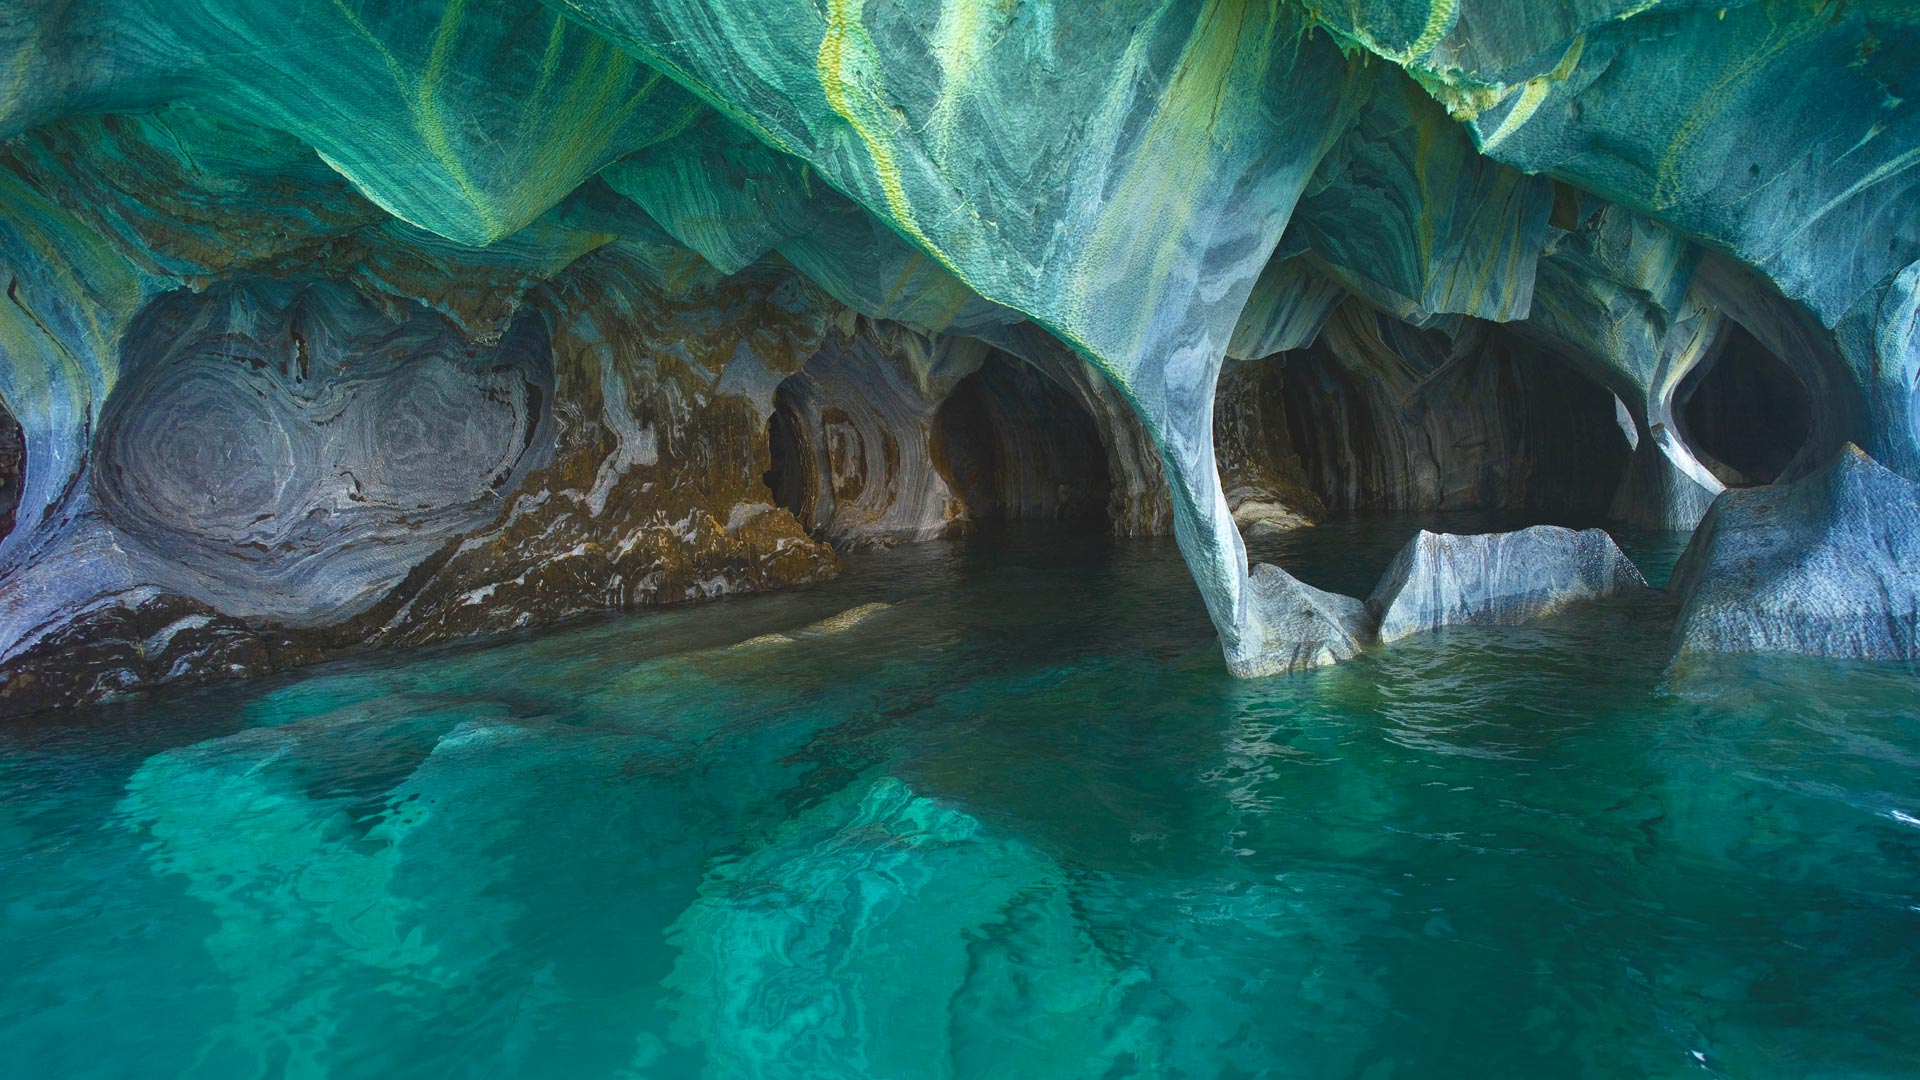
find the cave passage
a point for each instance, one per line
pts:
(1743, 411)
(789, 477)
(1499, 431)
(1014, 447)
(874, 458)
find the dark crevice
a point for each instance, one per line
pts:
(790, 477)
(1499, 431)
(968, 449)
(13, 469)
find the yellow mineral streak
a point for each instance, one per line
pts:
(1534, 91)
(1669, 170)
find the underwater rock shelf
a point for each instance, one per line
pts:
(375, 324)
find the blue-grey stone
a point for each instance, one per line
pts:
(1828, 565)
(1295, 626)
(1498, 579)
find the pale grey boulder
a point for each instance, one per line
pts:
(1498, 579)
(1438, 579)
(1296, 626)
(1828, 565)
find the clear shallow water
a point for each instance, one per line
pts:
(1021, 823)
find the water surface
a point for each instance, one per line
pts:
(1018, 823)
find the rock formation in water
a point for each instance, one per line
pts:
(1306, 627)
(382, 323)
(1828, 565)
(1498, 579)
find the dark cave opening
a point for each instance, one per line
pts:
(1503, 430)
(1014, 447)
(790, 477)
(1743, 412)
(13, 468)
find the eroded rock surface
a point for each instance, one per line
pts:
(387, 322)
(1828, 565)
(1437, 580)
(294, 451)
(1498, 579)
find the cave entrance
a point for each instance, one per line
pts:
(1502, 429)
(1743, 412)
(791, 477)
(13, 468)
(1015, 447)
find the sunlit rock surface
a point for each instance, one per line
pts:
(1498, 579)
(1828, 565)
(383, 322)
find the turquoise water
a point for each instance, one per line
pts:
(1018, 824)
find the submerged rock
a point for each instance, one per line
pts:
(827, 627)
(1497, 579)
(1827, 566)
(862, 920)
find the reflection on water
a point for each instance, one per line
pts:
(1018, 822)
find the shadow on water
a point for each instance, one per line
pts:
(1016, 821)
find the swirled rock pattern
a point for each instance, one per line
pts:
(295, 452)
(1404, 170)
(890, 436)
(863, 417)
(386, 321)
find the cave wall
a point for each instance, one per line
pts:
(654, 491)
(290, 474)
(384, 323)
(1260, 468)
(862, 414)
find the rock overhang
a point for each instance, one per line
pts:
(672, 191)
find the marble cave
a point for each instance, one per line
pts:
(849, 515)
